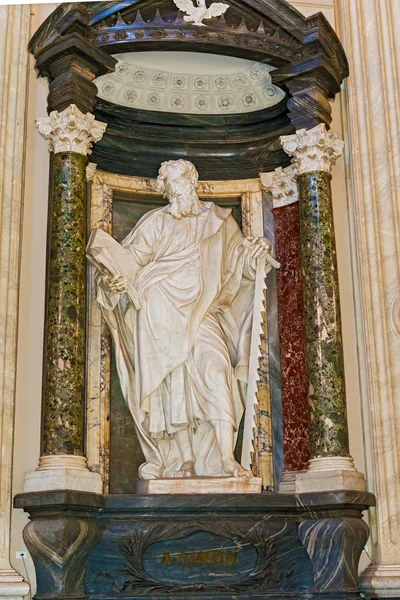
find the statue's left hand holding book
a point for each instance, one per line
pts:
(104, 252)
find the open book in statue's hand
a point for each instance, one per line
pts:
(104, 252)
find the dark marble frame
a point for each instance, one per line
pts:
(73, 535)
(73, 46)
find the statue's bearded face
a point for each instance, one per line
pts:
(178, 180)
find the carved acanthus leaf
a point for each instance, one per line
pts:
(71, 130)
(313, 149)
(282, 184)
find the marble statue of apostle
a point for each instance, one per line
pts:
(182, 358)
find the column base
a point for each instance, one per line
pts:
(288, 482)
(381, 581)
(12, 585)
(324, 475)
(63, 472)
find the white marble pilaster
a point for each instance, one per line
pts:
(14, 25)
(369, 33)
(99, 338)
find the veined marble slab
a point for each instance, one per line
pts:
(201, 485)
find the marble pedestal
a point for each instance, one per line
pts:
(200, 485)
(205, 546)
(63, 472)
(324, 474)
(381, 581)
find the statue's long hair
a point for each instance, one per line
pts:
(187, 202)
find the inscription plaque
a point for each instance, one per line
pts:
(160, 559)
(201, 557)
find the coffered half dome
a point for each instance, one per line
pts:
(189, 83)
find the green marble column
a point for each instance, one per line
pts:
(63, 464)
(314, 152)
(324, 351)
(64, 354)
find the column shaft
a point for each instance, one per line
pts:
(63, 464)
(282, 184)
(331, 467)
(295, 417)
(64, 357)
(324, 351)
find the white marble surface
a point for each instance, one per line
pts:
(103, 184)
(282, 183)
(186, 407)
(310, 7)
(98, 361)
(63, 472)
(70, 130)
(382, 581)
(14, 27)
(197, 13)
(314, 149)
(329, 481)
(63, 479)
(62, 461)
(250, 441)
(201, 485)
(372, 45)
(330, 474)
(196, 83)
(322, 475)
(12, 585)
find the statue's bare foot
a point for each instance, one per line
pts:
(234, 469)
(186, 470)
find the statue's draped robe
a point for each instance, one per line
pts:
(182, 359)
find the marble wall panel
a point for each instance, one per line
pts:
(274, 346)
(369, 32)
(291, 329)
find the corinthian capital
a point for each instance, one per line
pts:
(71, 130)
(282, 184)
(313, 149)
